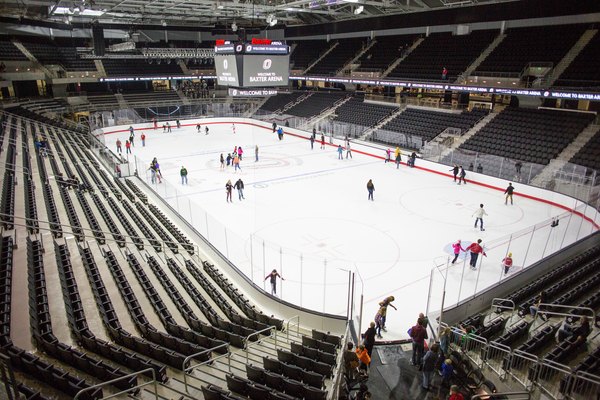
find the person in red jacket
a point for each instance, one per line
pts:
(455, 394)
(143, 137)
(475, 249)
(507, 263)
(418, 334)
(127, 147)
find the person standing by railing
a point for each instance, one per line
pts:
(273, 280)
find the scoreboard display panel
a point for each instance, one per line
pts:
(256, 64)
(227, 70)
(265, 71)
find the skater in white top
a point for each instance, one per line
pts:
(233, 128)
(478, 214)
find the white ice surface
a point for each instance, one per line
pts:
(311, 212)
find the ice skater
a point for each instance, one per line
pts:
(398, 159)
(312, 141)
(280, 133)
(178, 124)
(457, 247)
(228, 159)
(370, 189)
(183, 173)
(384, 305)
(454, 171)
(340, 150)
(239, 185)
(119, 150)
(509, 194)
(256, 153)
(388, 155)
(222, 161)
(228, 189)
(168, 128)
(273, 280)
(240, 152)
(348, 150)
(507, 262)
(236, 164)
(205, 130)
(155, 122)
(127, 147)
(461, 175)
(198, 127)
(233, 128)
(322, 141)
(478, 214)
(475, 249)
(143, 137)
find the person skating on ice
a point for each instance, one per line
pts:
(509, 194)
(168, 128)
(370, 189)
(119, 150)
(233, 128)
(127, 147)
(457, 248)
(478, 214)
(461, 175)
(183, 173)
(240, 152)
(178, 124)
(198, 127)
(239, 185)
(507, 262)
(143, 137)
(228, 189)
(228, 159)
(388, 155)
(384, 305)
(322, 141)
(454, 171)
(273, 280)
(256, 153)
(206, 130)
(312, 141)
(475, 249)
(340, 150)
(348, 150)
(236, 163)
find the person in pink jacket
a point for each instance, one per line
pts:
(457, 249)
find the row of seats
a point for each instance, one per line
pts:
(78, 322)
(91, 218)
(531, 44)
(110, 223)
(357, 112)
(76, 228)
(119, 67)
(30, 201)
(213, 336)
(146, 232)
(239, 299)
(164, 236)
(136, 190)
(10, 52)
(590, 365)
(336, 58)
(279, 101)
(588, 154)
(514, 129)
(124, 189)
(540, 340)
(51, 210)
(515, 333)
(309, 371)
(315, 104)
(307, 51)
(41, 326)
(131, 232)
(384, 52)
(6, 274)
(443, 50)
(213, 392)
(173, 230)
(312, 353)
(280, 383)
(250, 325)
(67, 57)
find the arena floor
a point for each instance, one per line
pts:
(306, 214)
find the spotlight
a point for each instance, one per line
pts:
(234, 27)
(359, 10)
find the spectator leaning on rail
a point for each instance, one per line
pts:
(418, 334)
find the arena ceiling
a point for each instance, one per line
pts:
(244, 13)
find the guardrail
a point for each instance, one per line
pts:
(287, 326)
(554, 380)
(247, 346)
(503, 396)
(132, 390)
(188, 370)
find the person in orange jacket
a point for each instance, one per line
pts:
(363, 357)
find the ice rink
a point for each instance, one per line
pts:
(306, 214)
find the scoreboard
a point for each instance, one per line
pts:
(252, 64)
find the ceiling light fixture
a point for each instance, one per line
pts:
(234, 27)
(359, 10)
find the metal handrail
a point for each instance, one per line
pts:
(247, 338)
(338, 372)
(287, 327)
(135, 388)
(503, 395)
(187, 370)
(107, 235)
(560, 314)
(502, 307)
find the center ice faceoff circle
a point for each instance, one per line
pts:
(338, 241)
